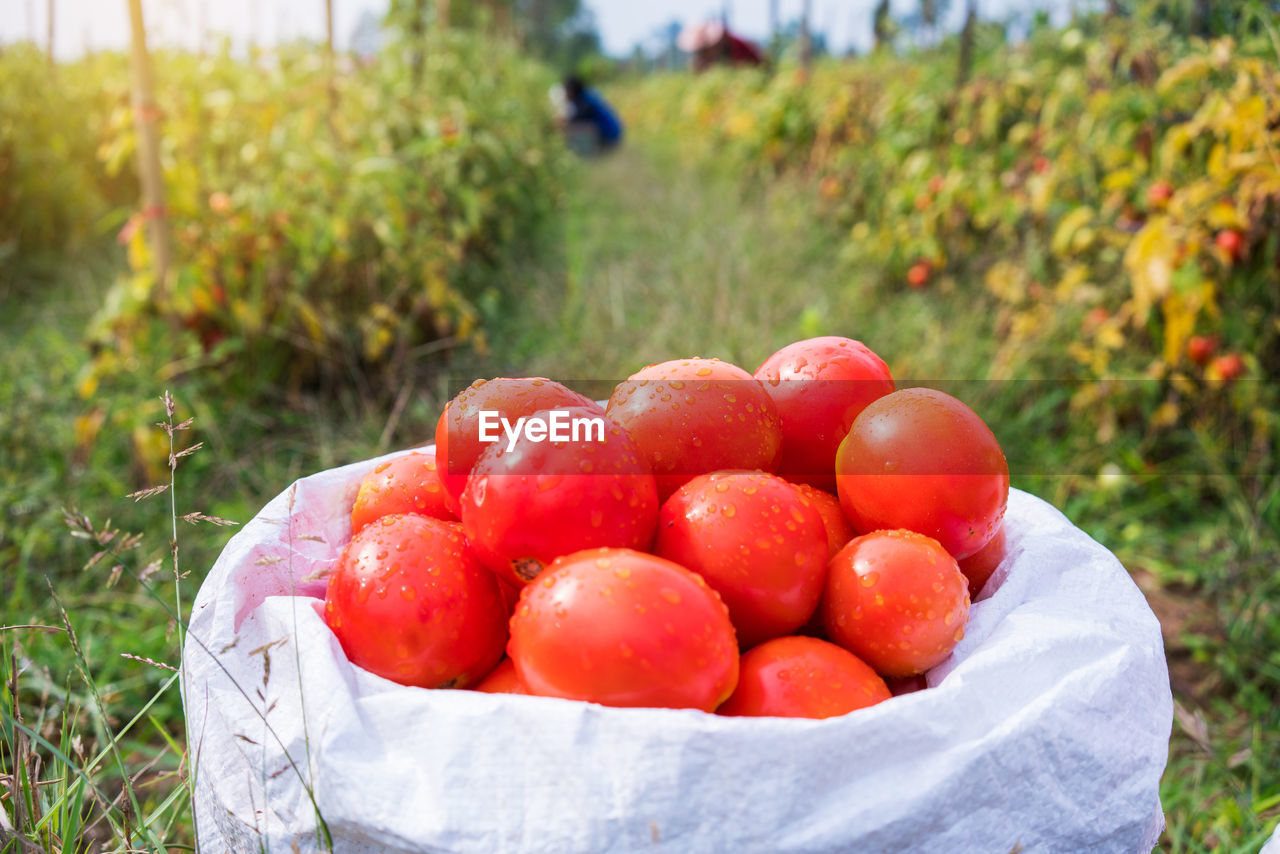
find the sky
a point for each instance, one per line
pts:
(99, 24)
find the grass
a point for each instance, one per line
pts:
(658, 260)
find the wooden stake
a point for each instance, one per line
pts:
(146, 119)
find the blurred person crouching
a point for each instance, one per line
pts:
(591, 126)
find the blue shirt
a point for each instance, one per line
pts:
(591, 107)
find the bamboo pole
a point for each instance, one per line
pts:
(330, 58)
(146, 120)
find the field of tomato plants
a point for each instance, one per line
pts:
(1081, 242)
(1088, 227)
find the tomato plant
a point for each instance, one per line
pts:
(406, 484)
(623, 628)
(527, 505)
(408, 601)
(897, 600)
(801, 677)
(692, 416)
(923, 460)
(757, 541)
(819, 386)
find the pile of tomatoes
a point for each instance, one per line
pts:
(798, 542)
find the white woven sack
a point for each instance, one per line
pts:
(1047, 729)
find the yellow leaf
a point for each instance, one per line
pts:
(1005, 280)
(1120, 179)
(1149, 260)
(1064, 234)
(1179, 322)
(1166, 415)
(1224, 215)
(1187, 69)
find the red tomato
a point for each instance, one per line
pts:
(692, 416)
(502, 680)
(622, 628)
(1227, 367)
(839, 531)
(896, 600)
(1231, 242)
(1159, 194)
(458, 444)
(757, 541)
(408, 484)
(819, 386)
(907, 684)
(410, 602)
(799, 677)
(979, 566)
(1200, 348)
(918, 275)
(527, 506)
(922, 460)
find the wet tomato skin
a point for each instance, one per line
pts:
(757, 541)
(897, 600)
(819, 386)
(624, 628)
(693, 416)
(525, 507)
(922, 460)
(406, 484)
(408, 601)
(802, 677)
(839, 531)
(982, 564)
(458, 444)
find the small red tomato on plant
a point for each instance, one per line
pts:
(1200, 348)
(407, 484)
(918, 275)
(920, 459)
(1227, 367)
(1231, 242)
(757, 541)
(693, 416)
(623, 628)
(1159, 194)
(897, 600)
(802, 677)
(531, 502)
(819, 386)
(458, 444)
(829, 187)
(408, 601)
